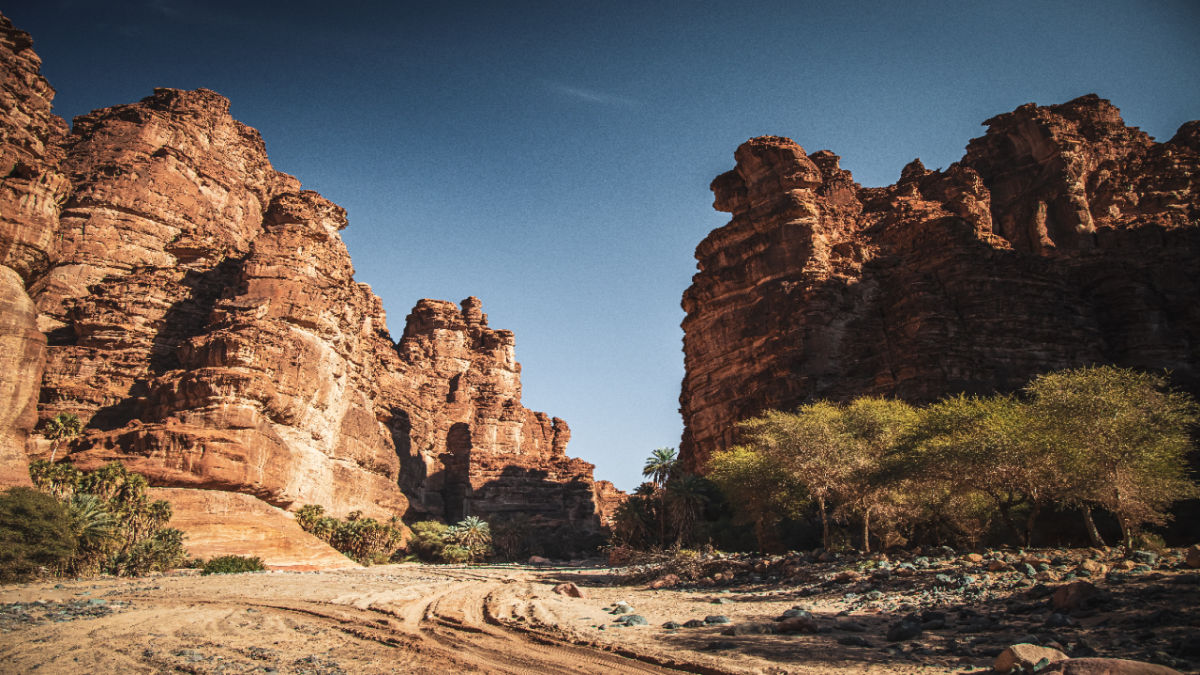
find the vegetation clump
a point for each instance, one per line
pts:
(112, 526)
(468, 541)
(233, 564)
(365, 540)
(965, 470)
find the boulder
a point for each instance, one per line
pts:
(1025, 656)
(570, 590)
(1073, 595)
(1098, 666)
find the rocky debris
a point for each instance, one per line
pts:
(21, 615)
(570, 590)
(714, 619)
(950, 604)
(1060, 239)
(1026, 657)
(632, 620)
(198, 311)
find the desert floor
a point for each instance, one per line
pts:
(507, 619)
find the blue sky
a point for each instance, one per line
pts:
(553, 158)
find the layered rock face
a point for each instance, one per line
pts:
(198, 311)
(31, 193)
(1062, 238)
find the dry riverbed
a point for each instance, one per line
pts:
(508, 619)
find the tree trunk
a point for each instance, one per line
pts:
(1092, 532)
(1006, 514)
(1033, 513)
(825, 541)
(759, 534)
(53, 451)
(1126, 533)
(866, 531)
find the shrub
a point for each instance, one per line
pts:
(365, 540)
(35, 534)
(233, 564)
(114, 526)
(429, 538)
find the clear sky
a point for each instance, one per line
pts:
(553, 158)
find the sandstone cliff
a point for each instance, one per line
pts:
(1062, 238)
(198, 311)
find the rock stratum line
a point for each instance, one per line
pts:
(1062, 238)
(197, 310)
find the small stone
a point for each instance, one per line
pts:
(798, 624)
(750, 629)
(569, 589)
(672, 625)
(906, 629)
(1191, 557)
(694, 623)
(633, 620)
(716, 619)
(1073, 595)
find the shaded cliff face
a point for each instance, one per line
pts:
(1062, 238)
(198, 311)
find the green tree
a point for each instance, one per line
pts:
(873, 427)
(760, 490)
(686, 497)
(473, 534)
(810, 444)
(62, 427)
(35, 534)
(1125, 436)
(660, 466)
(994, 446)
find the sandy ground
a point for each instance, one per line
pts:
(433, 619)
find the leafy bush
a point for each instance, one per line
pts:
(114, 525)
(365, 540)
(469, 540)
(428, 541)
(35, 534)
(967, 470)
(233, 564)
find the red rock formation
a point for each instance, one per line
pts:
(467, 445)
(204, 323)
(31, 192)
(227, 523)
(1062, 238)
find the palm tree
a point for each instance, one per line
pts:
(473, 534)
(659, 466)
(62, 427)
(687, 496)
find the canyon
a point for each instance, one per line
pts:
(197, 311)
(1062, 238)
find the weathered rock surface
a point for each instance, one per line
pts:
(466, 444)
(31, 192)
(198, 311)
(227, 523)
(1063, 238)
